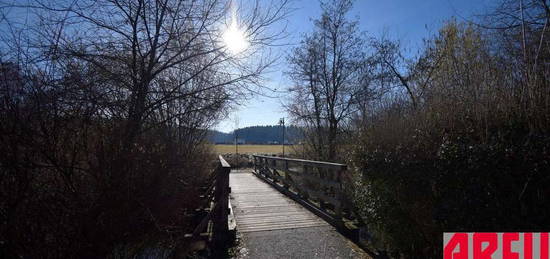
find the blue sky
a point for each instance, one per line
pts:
(407, 20)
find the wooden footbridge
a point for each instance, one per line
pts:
(282, 208)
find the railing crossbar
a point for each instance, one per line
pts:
(317, 182)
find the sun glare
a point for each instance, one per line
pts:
(234, 37)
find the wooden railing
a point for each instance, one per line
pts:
(217, 225)
(316, 185)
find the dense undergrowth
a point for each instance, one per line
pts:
(473, 154)
(453, 138)
(69, 189)
(414, 191)
(104, 110)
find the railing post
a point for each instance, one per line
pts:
(264, 166)
(305, 172)
(255, 163)
(340, 195)
(221, 212)
(273, 166)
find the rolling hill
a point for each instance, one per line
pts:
(257, 135)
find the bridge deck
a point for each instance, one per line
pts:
(274, 226)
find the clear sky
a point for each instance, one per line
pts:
(407, 20)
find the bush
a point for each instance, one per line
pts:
(71, 188)
(410, 194)
(471, 155)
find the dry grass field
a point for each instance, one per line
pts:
(255, 149)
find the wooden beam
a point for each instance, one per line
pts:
(307, 162)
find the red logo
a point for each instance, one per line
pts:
(483, 245)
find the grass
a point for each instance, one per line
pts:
(254, 149)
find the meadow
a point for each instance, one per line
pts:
(254, 149)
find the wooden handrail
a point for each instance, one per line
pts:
(317, 185)
(303, 161)
(221, 200)
(214, 228)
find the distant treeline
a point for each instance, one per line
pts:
(258, 135)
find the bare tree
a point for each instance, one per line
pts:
(108, 116)
(478, 91)
(521, 29)
(326, 69)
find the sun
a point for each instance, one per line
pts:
(234, 38)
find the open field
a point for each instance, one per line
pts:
(251, 149)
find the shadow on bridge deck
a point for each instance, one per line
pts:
(272, 225)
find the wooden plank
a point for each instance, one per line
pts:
(223, 162)
(259, 207)
(326, 180)
(232, 224)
